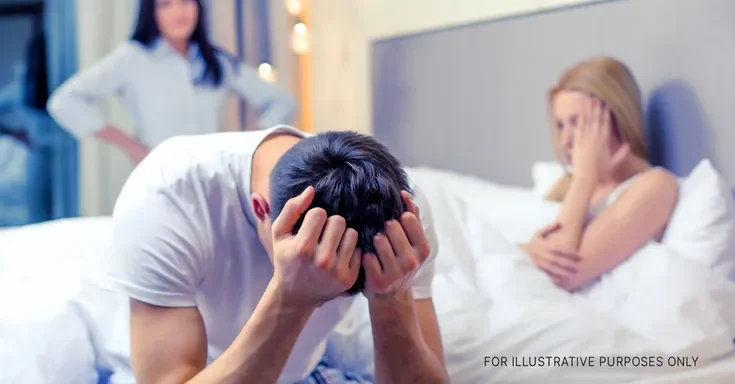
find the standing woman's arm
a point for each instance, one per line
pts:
(275, 105)
(73, 107)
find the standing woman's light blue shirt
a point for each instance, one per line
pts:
(161, 91)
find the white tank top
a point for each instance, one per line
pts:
(611, 197)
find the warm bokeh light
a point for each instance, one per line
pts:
(294, 7)
(300, 38)
(266, 72)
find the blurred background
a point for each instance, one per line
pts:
(47, 173)
(365, 65)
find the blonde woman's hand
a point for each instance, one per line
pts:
(558, 262)
(592, 153)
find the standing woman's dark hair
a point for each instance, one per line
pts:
(146, 32)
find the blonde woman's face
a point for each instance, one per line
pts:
(568, 109)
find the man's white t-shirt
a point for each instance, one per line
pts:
(184, 236)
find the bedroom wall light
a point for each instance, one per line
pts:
(300, 39)
(294, 7)
(266, 72)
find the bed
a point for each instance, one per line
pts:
(45, 331)
(491, 303)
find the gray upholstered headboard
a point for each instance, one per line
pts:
(472, 99)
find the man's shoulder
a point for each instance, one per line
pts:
(180, 163)
(174, 169)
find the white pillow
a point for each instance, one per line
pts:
(545, 174)
(702, 226)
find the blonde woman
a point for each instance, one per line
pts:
(612, 201)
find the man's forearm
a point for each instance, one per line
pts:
(260, 351)
(401, 354)
(573, 212)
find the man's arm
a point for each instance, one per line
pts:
(169, 345)
(406, 335)
(402, 353)
(429, 325)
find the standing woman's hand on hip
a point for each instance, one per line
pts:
(137, 152)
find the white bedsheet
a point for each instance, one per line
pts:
(43, 335)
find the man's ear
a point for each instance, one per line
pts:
(260, 206)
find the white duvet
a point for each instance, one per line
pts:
(492, 302)
(43, 336)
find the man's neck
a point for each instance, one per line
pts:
(265, 158)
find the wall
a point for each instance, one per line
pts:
(102, 25)
(489, 81)
(342, 32)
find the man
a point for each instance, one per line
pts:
(241, 251)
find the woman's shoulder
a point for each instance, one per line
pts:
(130, 47)
(656, 183)
(129, 51)
(659, 176)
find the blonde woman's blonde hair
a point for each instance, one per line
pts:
(611, 81)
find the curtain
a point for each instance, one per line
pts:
(60, 25)
(253, 43)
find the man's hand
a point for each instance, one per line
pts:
(321, 261)
(558, 262)
(400, 252)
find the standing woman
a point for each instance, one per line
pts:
(172, 80)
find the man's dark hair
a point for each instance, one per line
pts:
(354, 176)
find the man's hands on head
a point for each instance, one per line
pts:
(320, 262)
(399, 254)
